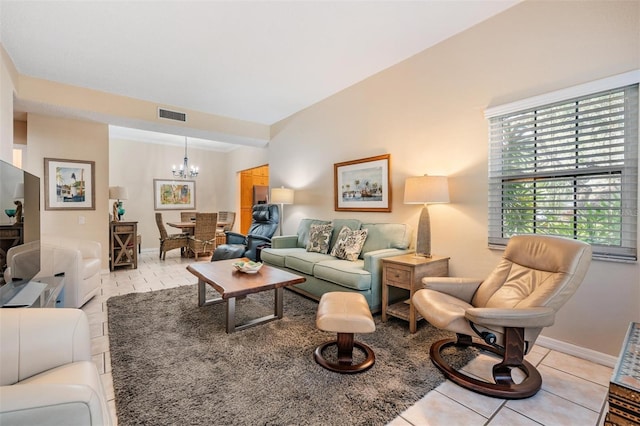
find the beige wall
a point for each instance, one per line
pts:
(428, 113)
(237, 160)
(8, 77)
(49, 137)
(134, 165)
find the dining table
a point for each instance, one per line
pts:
(187, 227)
(190, 226)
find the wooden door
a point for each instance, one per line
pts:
(249, 178)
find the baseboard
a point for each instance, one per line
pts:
(578, 351)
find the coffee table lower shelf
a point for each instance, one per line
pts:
(230, 308)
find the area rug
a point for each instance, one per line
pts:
(172, 363)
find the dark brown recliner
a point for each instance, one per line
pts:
(505, 313)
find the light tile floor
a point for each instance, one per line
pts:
(573, 391)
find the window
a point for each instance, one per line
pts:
(567, 168)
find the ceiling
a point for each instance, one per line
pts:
(259, 61)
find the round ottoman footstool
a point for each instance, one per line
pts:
(345, 313)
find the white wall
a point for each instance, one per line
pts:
(428, 113)
(134, 165)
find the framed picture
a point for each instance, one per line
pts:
(363, 185)
(69, 184)
(174, 194)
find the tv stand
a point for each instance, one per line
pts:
(45, 292)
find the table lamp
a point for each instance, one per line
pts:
(282, 196)
(425, 190)
(118, 193)
(19, 195)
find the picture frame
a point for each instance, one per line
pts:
(363, 185)
(174, 194)
(69, 184)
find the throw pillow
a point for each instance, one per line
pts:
(349, 244)
(319, 236)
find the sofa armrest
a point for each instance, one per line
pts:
(373, 259)
(284, 241)
(90, 249)
(373, 264)
(42, 403)
(460, 288)
(87, 248)
(36, 340)
(517, 317)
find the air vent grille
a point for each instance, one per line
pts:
(172, 115)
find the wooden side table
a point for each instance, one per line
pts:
(406, 272)
(123, 237)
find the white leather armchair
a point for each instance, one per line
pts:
(47, 376)
(79, 260)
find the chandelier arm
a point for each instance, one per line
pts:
(184, 171)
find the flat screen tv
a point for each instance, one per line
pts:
(19, 226)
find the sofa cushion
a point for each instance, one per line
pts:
(386, 235)
(319, 238)
(276, 257)
(345, 273)
(304, 229)
(349, 243)
(353, 224)
(304, 261)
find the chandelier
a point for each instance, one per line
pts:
(185, 171)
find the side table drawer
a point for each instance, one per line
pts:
(398, 276)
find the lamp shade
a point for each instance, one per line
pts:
(118, 193)
(282, 195)
(426, 190)
(19, 190)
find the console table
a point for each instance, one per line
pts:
(123, 237)
(10, 236)
(45, 292)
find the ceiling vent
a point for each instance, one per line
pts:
(172, 115)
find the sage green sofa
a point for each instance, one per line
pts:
(325, 273)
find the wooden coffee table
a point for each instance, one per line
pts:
(222, 276)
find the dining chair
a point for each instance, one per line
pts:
(169, 241)
(203, 240)
(226, 220)
(186, 216)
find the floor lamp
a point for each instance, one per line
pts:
(281, 196)
(425, 190)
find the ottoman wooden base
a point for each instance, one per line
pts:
(346, 314)
(345, 343)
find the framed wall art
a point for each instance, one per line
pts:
(174, 194)
(363, 185)
(69, 184)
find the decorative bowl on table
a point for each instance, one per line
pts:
(10, 212)
(249, 267)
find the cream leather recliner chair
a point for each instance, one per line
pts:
(79, 260)
(505, 313)
(47, 376)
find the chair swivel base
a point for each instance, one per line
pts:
(504, 386)
(345, 343)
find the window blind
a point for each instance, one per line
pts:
(569, 168)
